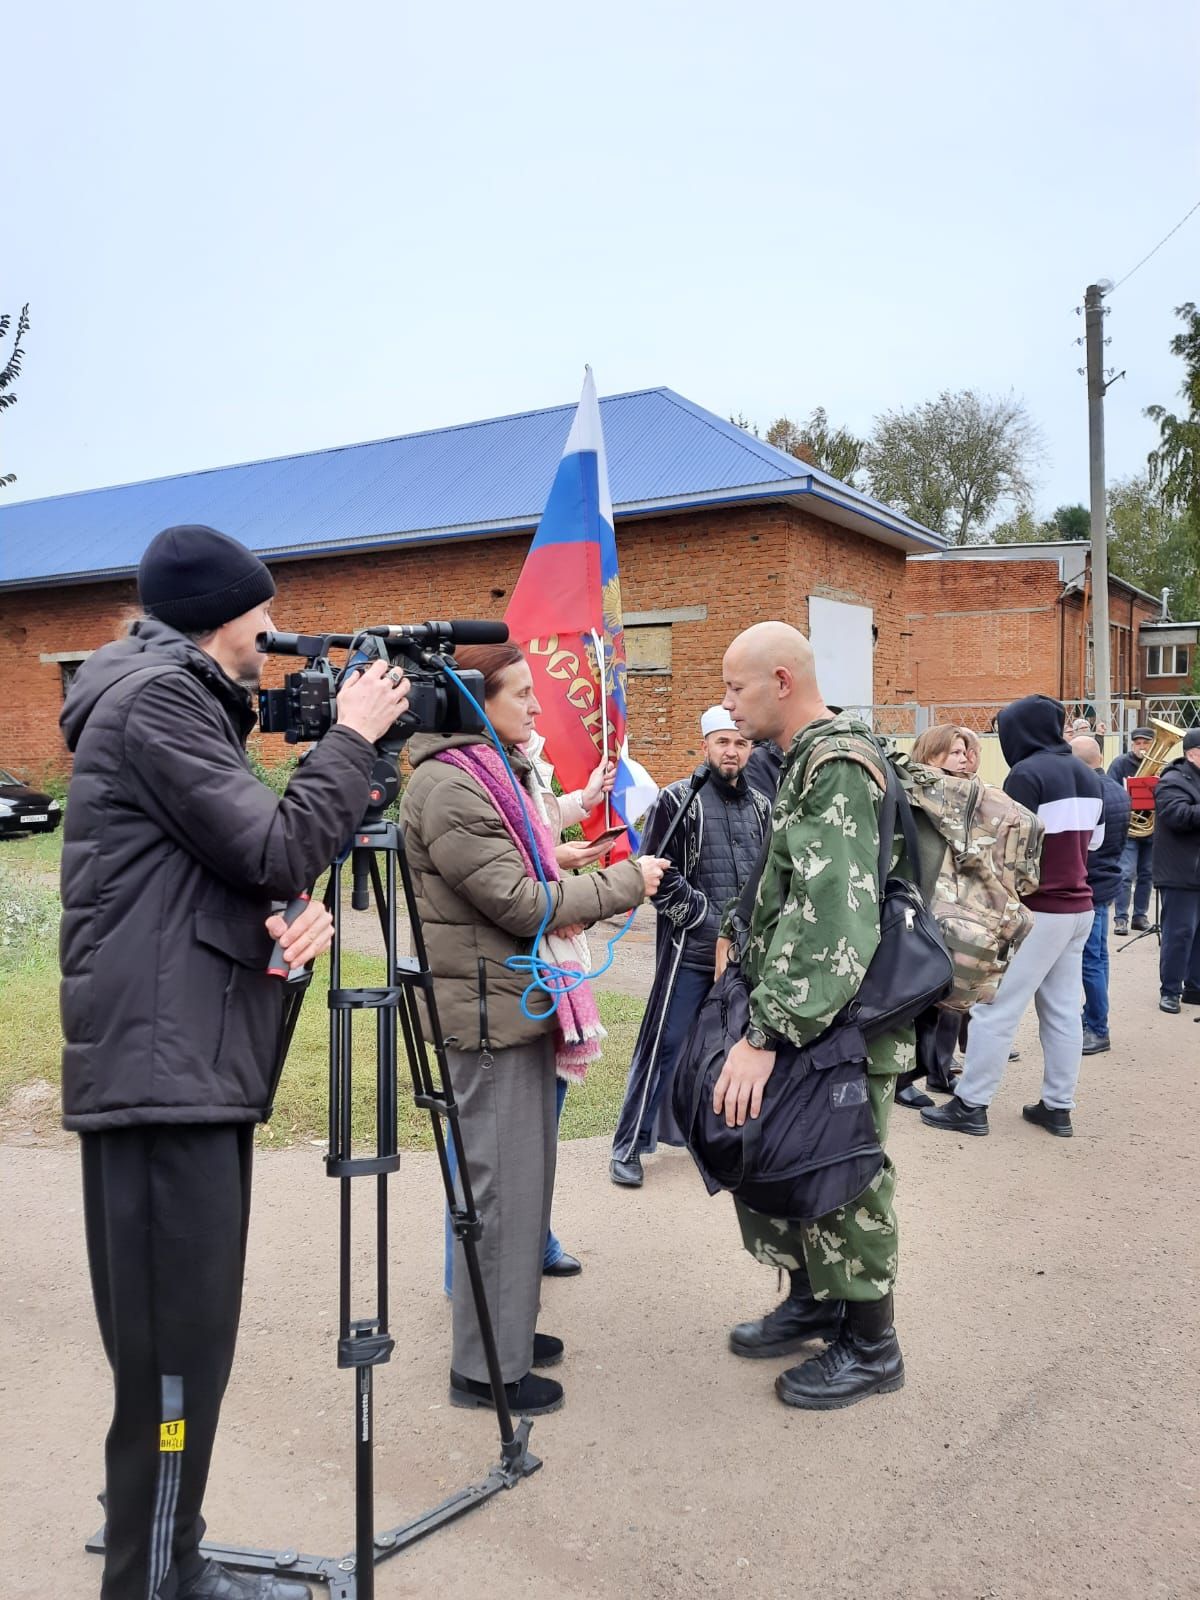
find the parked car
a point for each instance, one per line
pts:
(25, 810)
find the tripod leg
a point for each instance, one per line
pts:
(440, 1103)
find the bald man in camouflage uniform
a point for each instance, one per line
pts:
(813, 933)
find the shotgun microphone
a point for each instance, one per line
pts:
(695, 783)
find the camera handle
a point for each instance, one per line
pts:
(366, 1342)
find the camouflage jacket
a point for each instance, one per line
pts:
(815, 925)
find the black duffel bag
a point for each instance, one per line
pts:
(813, 1148)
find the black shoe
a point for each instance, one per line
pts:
(1141, 924)
(1171, 1003)
(547, 1350)
(528, 1397)
(912, 1097)
(1120, 928)
(215, 1582)
(863, 1360)
(1191, 995)
(565, 1267)
(1048, 1117)
(958, 1117)
(626, 1174)
(1095, 1044)
(797, 1320)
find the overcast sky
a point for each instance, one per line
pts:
(247, 229)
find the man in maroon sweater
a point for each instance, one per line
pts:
(1066, 796)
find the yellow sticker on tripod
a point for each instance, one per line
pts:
(170, 1435)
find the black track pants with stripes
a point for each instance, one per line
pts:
(165, 1211)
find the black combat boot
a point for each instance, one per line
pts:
(795, 1322)
(864, 1359)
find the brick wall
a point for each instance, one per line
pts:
(49, 621)
(741, 564)
(986, 631)
(982, 631)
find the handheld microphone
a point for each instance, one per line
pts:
(695, 783)
(277, 966)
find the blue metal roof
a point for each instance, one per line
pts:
(664, 453)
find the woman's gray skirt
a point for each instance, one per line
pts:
(510, 1136)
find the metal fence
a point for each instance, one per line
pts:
(1181, 709)
(909, 718)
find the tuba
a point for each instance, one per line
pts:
(1166, 737)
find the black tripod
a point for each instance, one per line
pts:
(365, 1343)
(1155, 927)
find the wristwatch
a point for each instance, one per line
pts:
(759, 1039)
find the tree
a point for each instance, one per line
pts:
(1153, 546)
(1024, 528)
(12, 369)
(951, 462)
(834, 450)
(1068, 522)
(1071, 522)
(1175, 464)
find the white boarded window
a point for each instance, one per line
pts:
(843, 640)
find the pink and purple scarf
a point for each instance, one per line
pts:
(580, 1030)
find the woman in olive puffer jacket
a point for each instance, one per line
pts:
(480, 903)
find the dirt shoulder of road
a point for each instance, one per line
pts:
(1045, 1443)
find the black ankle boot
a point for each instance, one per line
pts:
(799, 1319)
(864, 1359)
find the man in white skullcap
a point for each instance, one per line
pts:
(713, 852)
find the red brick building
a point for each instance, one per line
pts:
(715, 530)
(1170, 658)
(989, 623)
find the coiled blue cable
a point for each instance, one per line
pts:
(545, 977)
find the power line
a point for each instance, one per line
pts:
(1156, 249)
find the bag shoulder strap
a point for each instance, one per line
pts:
(866, 753)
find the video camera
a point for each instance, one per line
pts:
(306, 707)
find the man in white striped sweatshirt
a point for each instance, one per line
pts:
(1067, 797)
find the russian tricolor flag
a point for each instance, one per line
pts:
(565, 612)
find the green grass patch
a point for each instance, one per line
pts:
(29, 1024)
(32, 852)
(29, 1020)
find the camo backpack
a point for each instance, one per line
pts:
(980, 853)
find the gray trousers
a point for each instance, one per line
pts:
(510, 1137)
(1047, 969)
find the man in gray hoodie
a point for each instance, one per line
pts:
(1065, 796)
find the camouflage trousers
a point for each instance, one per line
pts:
(850, 1254)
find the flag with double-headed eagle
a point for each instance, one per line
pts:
(565, 613)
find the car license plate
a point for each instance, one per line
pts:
(34, 816)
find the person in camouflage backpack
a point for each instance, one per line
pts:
(814, 930)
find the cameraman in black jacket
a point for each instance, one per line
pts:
(174, 858)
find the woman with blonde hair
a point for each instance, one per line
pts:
(948, 748)
(944, 746)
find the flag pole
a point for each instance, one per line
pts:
(600, 667)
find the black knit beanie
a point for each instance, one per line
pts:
(194, 578)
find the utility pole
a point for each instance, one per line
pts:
(1093, 312)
